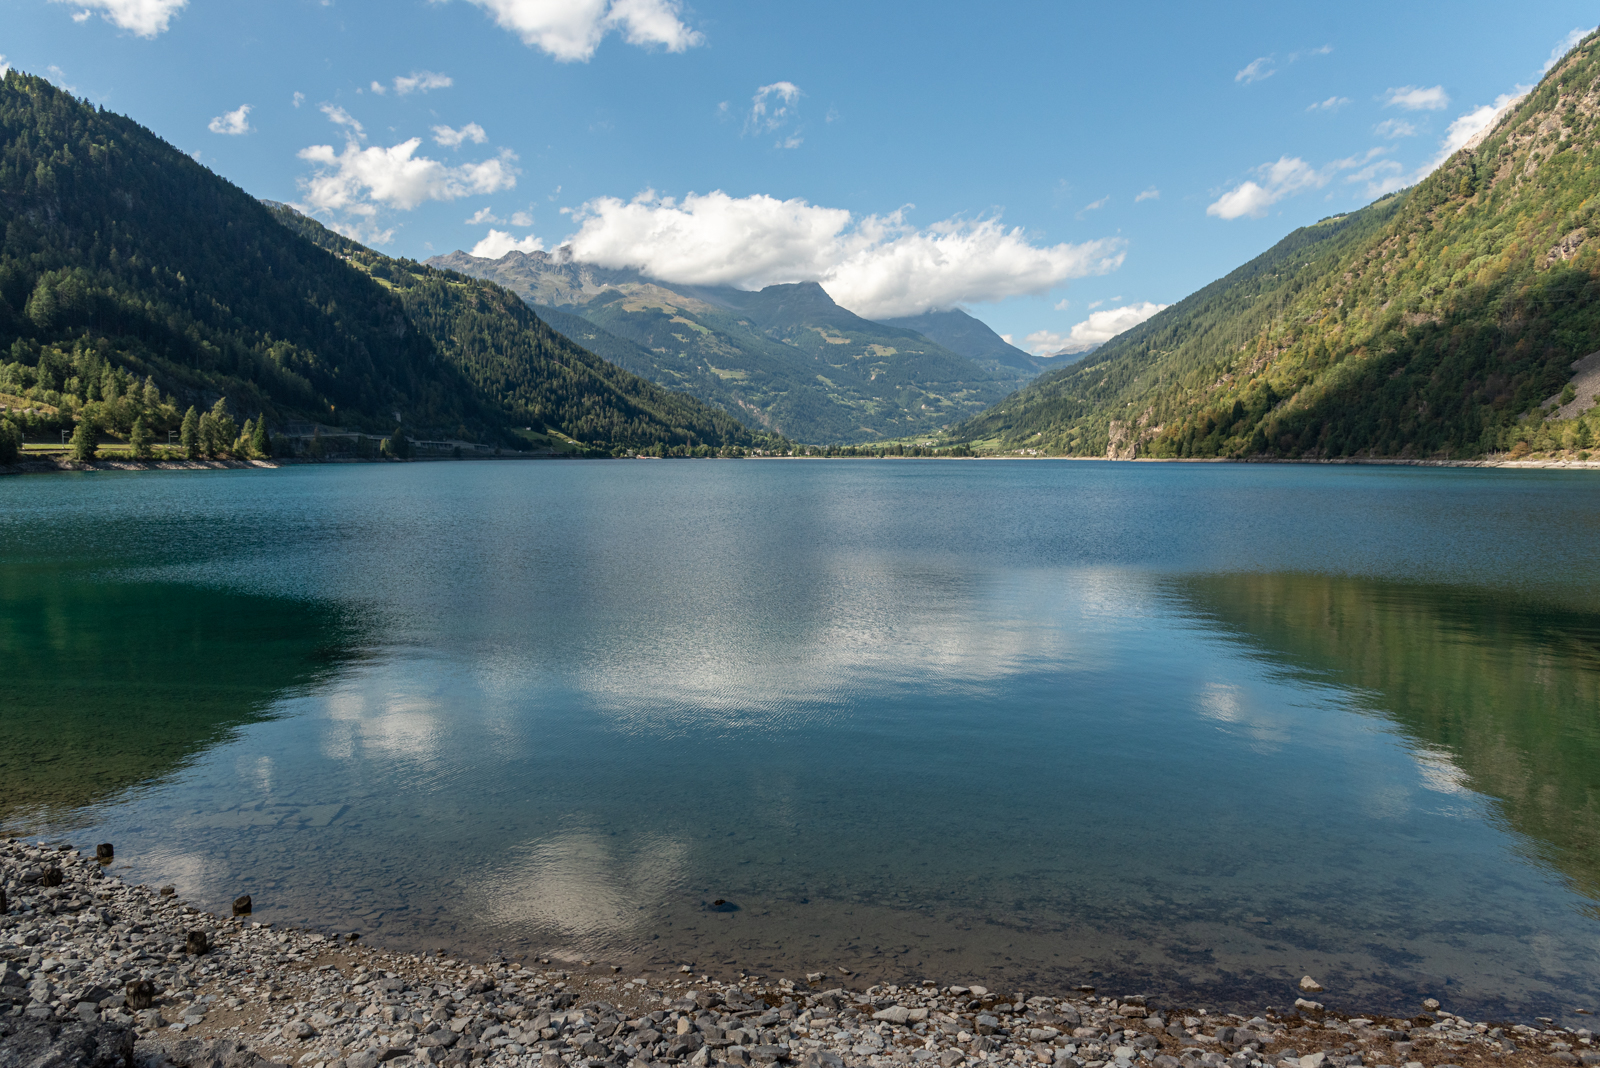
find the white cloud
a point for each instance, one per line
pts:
(1094, 205)
(772, 106)
(498, 243)
(415, 82)
(521, 218)
(1288, 176)
(444, 135)
(1393, 128)
(1063, 305)
(143, 18)
(1467, 127)
(1256, 70)
(877, 266)
(421, 81)
(83, 16)
(1100, 327)
(1415, 98)
(1381, 177)
(355, 182)
(481, 216)
(1149, 194)
(1333, 103)
(1565, 45)
(234, 122)
(572, 29)
(354, 179)
(341, 117)
(4, 66)
(299, 98)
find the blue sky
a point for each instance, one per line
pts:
(1058, 169)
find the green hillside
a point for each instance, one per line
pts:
(785, 359)
(136, 283)
(972, 338)
(1435, 323)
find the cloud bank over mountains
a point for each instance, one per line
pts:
(878, 266)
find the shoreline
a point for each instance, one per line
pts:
(55, 465)
(90, 965)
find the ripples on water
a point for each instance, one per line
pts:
(1191, 728)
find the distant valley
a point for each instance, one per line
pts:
(786, 359)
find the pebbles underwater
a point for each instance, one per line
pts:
(95, 973)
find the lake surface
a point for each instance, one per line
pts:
(1184, 729)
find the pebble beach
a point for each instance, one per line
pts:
(94, 972)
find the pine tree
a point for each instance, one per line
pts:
(224, 431)
(152, 395)
(140, 437)
(189, 435)
(84, 446)
(10, 442)
(261, 440)
(247, 433)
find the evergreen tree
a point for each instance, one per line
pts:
(140, 438)
(84, 445)
(247, 433)
(224, 431)
(10, 442)
(261, 440)
(190, 434)
(209, 446)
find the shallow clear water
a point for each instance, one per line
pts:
(1187, 728)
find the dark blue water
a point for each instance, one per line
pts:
(1197, 728)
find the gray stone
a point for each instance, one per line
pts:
(71, 1045)
(822, 1058)
(895, 1014)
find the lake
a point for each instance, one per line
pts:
(1192, 730)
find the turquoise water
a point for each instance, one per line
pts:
(1198, 729)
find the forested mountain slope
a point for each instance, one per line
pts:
(133, 282)
(1433, 323)
(786, 358)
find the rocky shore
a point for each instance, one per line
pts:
(95, 973)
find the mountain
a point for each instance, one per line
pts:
(134, 282)
(1436, 322)
(785, 359)
(972, 338)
